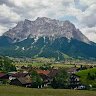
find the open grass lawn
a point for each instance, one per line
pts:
(7, 90)
(63, 65)
(83, 76)
(37, 64)
(84, 73)
(34, 64)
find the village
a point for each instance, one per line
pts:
(46, 76)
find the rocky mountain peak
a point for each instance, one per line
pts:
(44, 26)
(69, 24)
(27, 21)
(43, 18)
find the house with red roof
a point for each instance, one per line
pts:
(47, 75)
(45, 72)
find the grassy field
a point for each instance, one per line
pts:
(20, 91)
(37, 64)
(34, 64)
(63, 65)
(84, 73)
(83, 76)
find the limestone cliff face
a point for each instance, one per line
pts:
(45, 27)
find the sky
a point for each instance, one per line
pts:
(82, 13)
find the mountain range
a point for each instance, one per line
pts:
(45, 37)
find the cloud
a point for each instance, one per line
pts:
(90, 33)
(87, 2)
(3, 29)
(88, 17)
(6, 12)
(7, 18)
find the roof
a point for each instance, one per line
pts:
(19, 75)
(53, 72)
(2, 74)
(24, 80)
(45, 72)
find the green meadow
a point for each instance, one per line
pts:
(7, 90)
(84, 76)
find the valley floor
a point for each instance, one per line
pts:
(7, 90)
